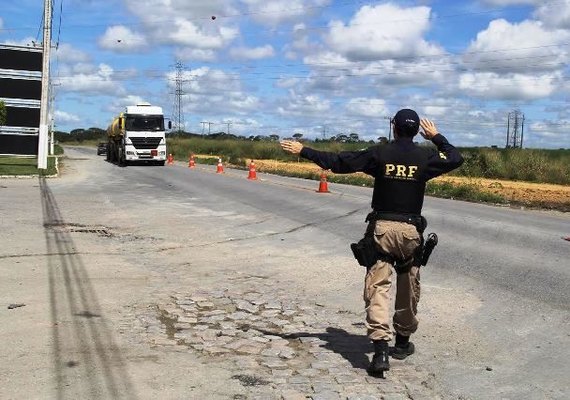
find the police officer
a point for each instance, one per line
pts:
(401, 170)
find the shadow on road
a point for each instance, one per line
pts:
(87, 362)
(351, 347)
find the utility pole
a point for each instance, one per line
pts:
(228, 123)
(178, 93)
(390, 120)
(52, 117)
(206, 123)
(44, 101)
(515, 129)
(51, 112)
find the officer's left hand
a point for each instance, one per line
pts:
(291, 146)
(429, 130)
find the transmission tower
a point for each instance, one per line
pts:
(515, 129)
(178, 93)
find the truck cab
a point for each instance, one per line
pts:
(138, 134)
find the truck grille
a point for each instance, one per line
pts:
(145, 143)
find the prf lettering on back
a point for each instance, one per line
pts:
(400, 171)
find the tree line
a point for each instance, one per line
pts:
(94, 134)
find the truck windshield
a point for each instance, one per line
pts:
(144, 123)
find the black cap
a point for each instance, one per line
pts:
(407, 119)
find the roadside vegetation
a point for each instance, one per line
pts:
(528, 165)
(21, 166)
(3, 113)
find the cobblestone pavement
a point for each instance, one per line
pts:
(279, 348)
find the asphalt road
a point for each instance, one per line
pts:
(495, 297)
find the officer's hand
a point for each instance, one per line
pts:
(292, 146)
(428, 129)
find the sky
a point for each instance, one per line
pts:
(315, 67)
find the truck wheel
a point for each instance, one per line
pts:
(161, 163)
(121, 158)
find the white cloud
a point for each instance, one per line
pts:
(326, 59)
(435, 111)
(555, 14)
(509, 87)
(377, 32)
(274, 12)
(187, 33)
(62, 117)
(205, 80)
(549, 129)
(367, 107)
(286, 82)
(209, 91)
(521, 47)
(256, 53)
(243, 102)
(121, 39)
(300, 43)
(549, 134)
(397, 74)
(66, 53)
(304, 105)
(188, 53)
(128, 100)
(93, 80)
(186, 23)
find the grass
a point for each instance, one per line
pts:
(529, 165)
(463, 191)
(18, 166)
(22, 166)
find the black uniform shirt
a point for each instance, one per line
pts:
(401, 170)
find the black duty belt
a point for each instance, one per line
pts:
(417, 220)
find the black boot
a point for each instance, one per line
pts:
(380, 360)
(403, 347)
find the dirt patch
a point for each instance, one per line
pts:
(527, 193)
(536, 195)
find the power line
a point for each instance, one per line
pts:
(59, 25)
(305, 8)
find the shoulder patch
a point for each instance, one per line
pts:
(442, 155)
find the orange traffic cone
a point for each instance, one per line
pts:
(220, 168)
(170, 159)
(191, 162)
(252, 173)
(323, 185)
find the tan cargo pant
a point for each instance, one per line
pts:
(400, 240)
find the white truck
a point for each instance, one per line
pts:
(137, 134)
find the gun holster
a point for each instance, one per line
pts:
(428, 247)
(365, 251)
